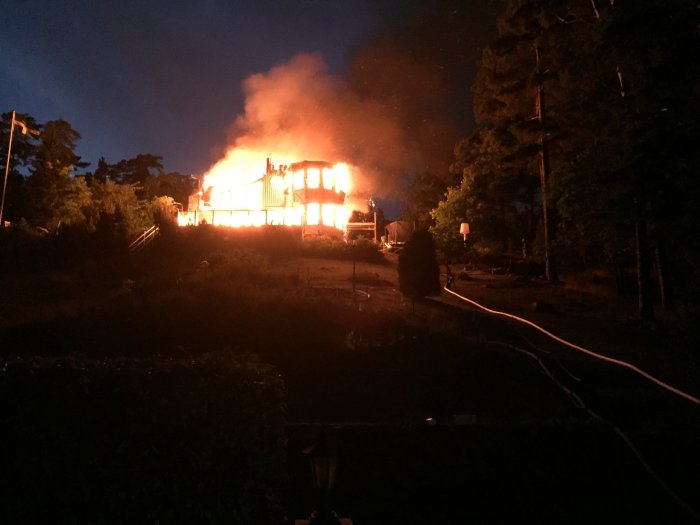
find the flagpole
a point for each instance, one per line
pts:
(7, 169)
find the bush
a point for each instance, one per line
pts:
(326, 247)
(22, 247)
(135, 441)
(234, 264)
(419, 274)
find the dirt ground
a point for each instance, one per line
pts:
(587, 315)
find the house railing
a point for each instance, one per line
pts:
(144, 239)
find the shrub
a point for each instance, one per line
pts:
(234, 264)
(131, 441)
(326, 247)
(419, 274)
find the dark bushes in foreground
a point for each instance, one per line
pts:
(332, 248)
(141, 441)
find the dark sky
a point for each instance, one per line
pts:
(164, 76)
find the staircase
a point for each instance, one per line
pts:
(144, 239)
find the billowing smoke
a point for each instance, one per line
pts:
(398, 110)
(299, 111)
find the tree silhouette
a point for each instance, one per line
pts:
(23, 150)
(615, 142)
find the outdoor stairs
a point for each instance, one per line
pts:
(144, 239)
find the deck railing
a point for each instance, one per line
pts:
(144, 239)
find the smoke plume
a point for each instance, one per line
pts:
(398, 110)
(299, 111)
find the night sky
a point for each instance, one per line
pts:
(165, 76)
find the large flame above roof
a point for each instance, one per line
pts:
(244, 189)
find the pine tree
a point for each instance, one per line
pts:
(508, 161)
(599, 100)
(56, 197)
(627, 187)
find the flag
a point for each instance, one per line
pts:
(25, 129)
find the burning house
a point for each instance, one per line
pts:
(310, 194)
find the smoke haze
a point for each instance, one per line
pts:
(298, 111)
(399, 109)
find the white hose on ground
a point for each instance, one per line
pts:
(618, 362)
(625, 438)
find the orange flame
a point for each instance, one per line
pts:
(239, 191)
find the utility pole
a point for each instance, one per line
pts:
(7, 169)
(25, 130)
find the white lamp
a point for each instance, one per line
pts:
(464, 230)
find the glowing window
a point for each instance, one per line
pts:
(299, 180)
(313, 213)
(313, 178)
(292, 216)
(275, 217)
(327, 180)
(328, 214)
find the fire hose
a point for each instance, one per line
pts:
(691, 511)
(617, 362)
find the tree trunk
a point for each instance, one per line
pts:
(549, 266)
(660, 262)
(646, 308)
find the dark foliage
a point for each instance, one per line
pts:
(187, 246)
(24, 147)
(198, 289)
(333, 248)
(25, 249)
(135, 441)
(419, 274)
(592, 105)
